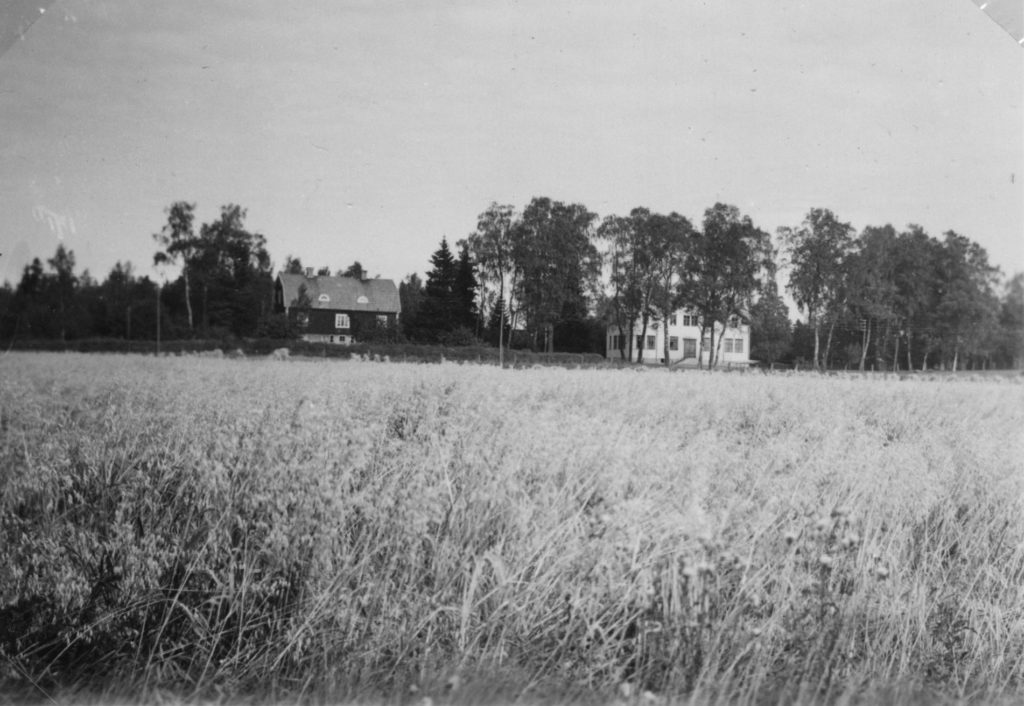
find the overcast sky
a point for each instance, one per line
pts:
(368, 130)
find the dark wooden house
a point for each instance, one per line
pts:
(336, 309)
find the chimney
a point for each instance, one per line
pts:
(309, 272)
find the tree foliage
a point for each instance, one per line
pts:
(816, 251)
(492, 247)
(729, 262)
(558, 263)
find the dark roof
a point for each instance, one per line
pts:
(342, 293)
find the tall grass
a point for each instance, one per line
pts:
(331, 530)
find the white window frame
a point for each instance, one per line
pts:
(342, 321)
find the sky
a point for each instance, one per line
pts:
(368, 130)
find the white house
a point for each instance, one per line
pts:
(732, 342)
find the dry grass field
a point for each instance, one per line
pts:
(346, 531)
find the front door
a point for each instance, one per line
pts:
(689, 348)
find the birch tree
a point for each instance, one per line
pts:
(491, 247)
(179, 244)
(816, 250)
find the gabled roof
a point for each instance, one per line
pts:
(342, 293)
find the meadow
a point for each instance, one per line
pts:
(346, 531)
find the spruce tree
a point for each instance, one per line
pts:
(466, 314)
(437, 310)
(497, 318)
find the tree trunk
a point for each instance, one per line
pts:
(643, 339)
(501, 325)
(828, 344)
(700, 347)
(910, 362)
(188, 298)
(664, 346)
(206, 313)
(817, 343)
(718, 348)
(896, 355)
(700, 344)
(865, 340)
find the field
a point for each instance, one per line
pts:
(339, 531)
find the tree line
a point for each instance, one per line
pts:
(225, 288)
(553, 276)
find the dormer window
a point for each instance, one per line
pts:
(323, 299)
(361, 299)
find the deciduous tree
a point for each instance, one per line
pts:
(179, 244)
(558, 261)
(728, 262)
(816, 251)
(491, 246)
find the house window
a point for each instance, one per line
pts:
(650, 342)
(673, 343)
(341, 321)
(690, 320)
(689, 347)
(734, 321)
(672, 320)
(382, 319)
(733, 345)
(323, 299)
(361, 299)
